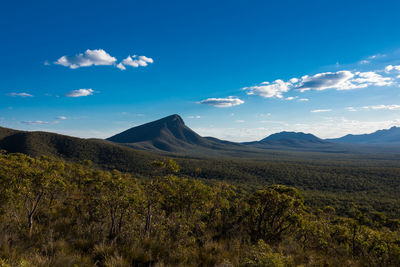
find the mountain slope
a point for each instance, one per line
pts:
(104, 153)
(170, 134)
(387, 136)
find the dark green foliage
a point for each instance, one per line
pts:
(83, 216)
(369, 180)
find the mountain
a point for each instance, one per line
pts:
(170, 134)
(295, 138)
(387, 136)
(101, 152)
(292, 140)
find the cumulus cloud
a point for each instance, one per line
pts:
(20, 94)
(222, 102)
(321, 110)
(344, 80)
(267, 89)
(390, 68)
(322, 81)
(96, 57)
(135, 61)
(371, 78)
(340, 80)
(99, 57)
(383, 107)
(79, 93)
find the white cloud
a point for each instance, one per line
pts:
(38, 122)
(264, 115)
(121, 66)
(95, 57)
(222, 102)
(371, 78)
(384, 107)
(321, 110)
(61, 118)
(275, 122)
(20, 94)
(134, 61)
(267, 90)
(290, 98)
(193, 117)
(79, 93)
(352, 109)
(303, 99)
(389, 68)
(340, 80)
(239, 121)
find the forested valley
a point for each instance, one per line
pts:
(197, 213)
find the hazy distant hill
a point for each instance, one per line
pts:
(295, 140)
(388, 136)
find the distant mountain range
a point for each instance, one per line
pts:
(388, 136)
(171, 135)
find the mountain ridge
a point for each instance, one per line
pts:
(384, 136)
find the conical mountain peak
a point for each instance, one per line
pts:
(164, 133)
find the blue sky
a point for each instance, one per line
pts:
(237, 70)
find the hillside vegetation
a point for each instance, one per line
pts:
(54, 213)
(339, 180)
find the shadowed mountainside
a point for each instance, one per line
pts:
(104, 153)
(170, 134)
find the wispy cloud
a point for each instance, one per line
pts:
(20, 94)
(194, 117)
(222, 102)
(38, 122)
(352, 109)
(384, 107)
(321, 110)
(79, 93)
